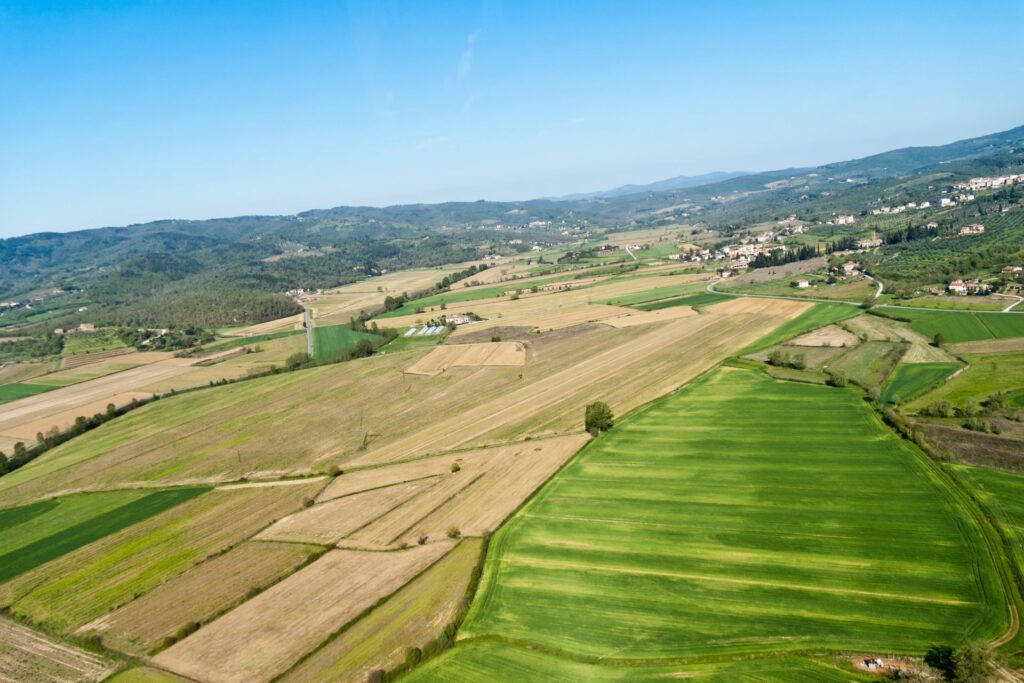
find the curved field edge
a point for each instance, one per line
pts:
(991, 620)
(499, 662)
(819, 315)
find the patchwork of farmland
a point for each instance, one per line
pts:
(246, 644)
(412, 617)
(275, 425)
(35, 534)
(819, 315)
(678, 534)
(69, 592)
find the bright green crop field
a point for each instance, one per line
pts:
(34, 534)
(913, 379)
(12, 392)
(332, 341)
(741, 515)
(961, 326)
(500, 663)
(987, 374)
(819, 315)
(1003, 494)
(695, 300)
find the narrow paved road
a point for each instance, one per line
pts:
(631, 254)
(308, 322)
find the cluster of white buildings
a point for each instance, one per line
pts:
(993, 183)
(909, 206)
(972, 229)
(968, 286)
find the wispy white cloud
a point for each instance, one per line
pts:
(465, 65)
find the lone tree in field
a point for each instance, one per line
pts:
(598, 417)
(938, 341)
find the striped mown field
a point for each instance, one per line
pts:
(741, 515)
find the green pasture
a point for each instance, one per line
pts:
(498, 662)
(986, 374)
(909, 380)
(693, 300)
(86, 342)
(654, 294)
(869, 363)
(1003, 494)
(330, 342)
(960, 326)
(819, 315)
(741, 515)
(12, 392)
(33, 535)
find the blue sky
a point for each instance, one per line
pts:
(120, 112)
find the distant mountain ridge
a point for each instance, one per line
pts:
(676, 183)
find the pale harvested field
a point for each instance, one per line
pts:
(830, 335)
(292, 322)
(42, 420)
(647, 317)
(94, 580)
(27, 656)
(989, 346)
(670, 234)
(554, 308)
(7, 443)
(774, 273)
(200, 593)
(83, 373)
(388, 475)
(488, 501)
(338, 305)
(386, 530)
(467, 355)
(264, 636)
(21, 372)
(158, 373)
(658, 360)
(412, 617)
(493, 275)
(328, 522)
(491, 483)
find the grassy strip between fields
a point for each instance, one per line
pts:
(62, 542)
(910, 380)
